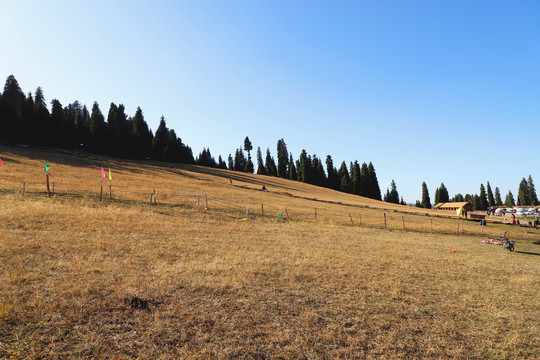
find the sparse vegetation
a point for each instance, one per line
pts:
(81, 278)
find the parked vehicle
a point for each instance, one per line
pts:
(507, 243)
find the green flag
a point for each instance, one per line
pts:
(46, 166)
(280, 216)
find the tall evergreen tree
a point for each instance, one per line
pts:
(443, 194)
(346, 184)
(523, 194)
(41, 118)
(334, 182)
(509, 201)
(364, 185)
(261, 170)
(490, 197)
(533, 198)
(355, 177)
(141, 135)
(11, 114)
(292, 169)
(426, 201)
(482, 199)
(97, 129)
(249, 164)
(230, 162)
(270, 164)
(373, 184)
(57, 124)
(240, 160)
(161, 140)
(392, 195)
(282, 157)
(304, 167)
(498, 200)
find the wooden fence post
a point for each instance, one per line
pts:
(350, 217)
(151, 196)
(385, 227)
(23, 187)
(48, 189)
(100, 192)
(110, 192)
(206, 198)
(287, 213)
(262, 208)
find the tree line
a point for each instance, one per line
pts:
(26, 119)
(486, 197)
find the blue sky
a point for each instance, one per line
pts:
(434, 91)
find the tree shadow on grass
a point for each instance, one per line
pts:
(527, 253)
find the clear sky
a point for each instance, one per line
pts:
(434, 91)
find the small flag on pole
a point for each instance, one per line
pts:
(102, 173)
(110, 176)
(0, 161)
(46, 166)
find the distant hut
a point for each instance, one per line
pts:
(458, 207)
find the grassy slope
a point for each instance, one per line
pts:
(219, 287)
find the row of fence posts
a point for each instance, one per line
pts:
(153, 200)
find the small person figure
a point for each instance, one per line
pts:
(230, 180)
(264, 188)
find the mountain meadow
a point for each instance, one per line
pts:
(162, 260)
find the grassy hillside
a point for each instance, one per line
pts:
(125, 279)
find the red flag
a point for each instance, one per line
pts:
(102, 173)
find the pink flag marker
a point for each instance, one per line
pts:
(0, 161)
(102, 173)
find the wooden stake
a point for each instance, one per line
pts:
(110, 192)
(48, 189)
(262, 208)
(206, 199)
(100, 192)
(287, 213)
(385, 227)
(151, 196)
(350, 217)
(23, 187)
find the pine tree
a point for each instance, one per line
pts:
(437, 197)
(426, 201)
(97, 129)
(304, 167)
(345, 179)
(364, 186)
(11, 113)
(498, 200)
(392, 195)
(260, 165)
(249, 164)
(491, 199)
(509, 201)
(270, 164)
(161, 140)
(283, 157)
(141, 135)
(523, 194)
(57, 123)
(482, 199)
(443, 194)
(41, 118)
(292, 169)
(230, 162)
(355, 177)
(373, 184)
(240, 160)
(334, 181)
(533, 198)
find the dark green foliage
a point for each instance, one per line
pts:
(283, 158)
(482, 203)
(249, 164)
(498, 200)
(355, 178)
(458, 198)
(261, 170)
(509, 201)
(230, 162)
(533, 198)
(292, 169)
(141, 136)
(523, 194)
(418, 204)
(374, 191)
(443, 194)
(221, 163)
(333, 180)
(161, 140)
(304, 167)
(345, 179)
(402, 201)
(270, 164)
(205, 159)
(426, 201)
(491, 199)
(392, 195)
(240, 160)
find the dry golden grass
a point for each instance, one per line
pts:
(217, 287)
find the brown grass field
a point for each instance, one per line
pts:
(124, 279)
